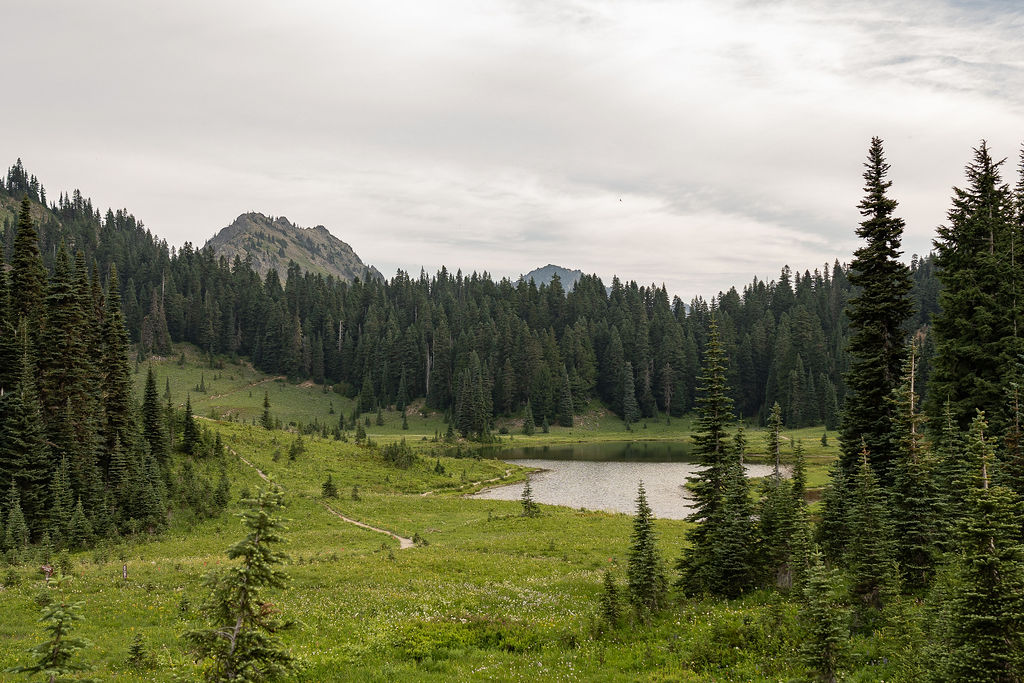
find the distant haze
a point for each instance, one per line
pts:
(695, 144)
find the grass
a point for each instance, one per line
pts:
(490, 595)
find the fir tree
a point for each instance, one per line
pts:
(645, 573)
(54, 657)
(190, 431)
(975, 326)
(530, 508)
(328, 489)
(630, 408)
(28, 277)
(266, 421)
(711, 446)
(80, 531)
(733, 534)
(563, 416)
(878, 316)
(915, 497)
(118, 396)
(153, 430)
(870, 549)
(825, 641)
(610, 608)
(986, 628)
(16, 531)
(241, 643)
(528, 425)
(63, 504)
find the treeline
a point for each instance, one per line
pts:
(390, 342)
(77, 460)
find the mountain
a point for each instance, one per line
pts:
(543, 276)
(273, 242)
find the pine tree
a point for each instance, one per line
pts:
(24, 453)
(118, 395)
(712, 447)
(242, 644)
(80, 531)
(565, 408)
(878, 316)
(530, 508)
(328, 489)
(16, 531)
(610, 609)
(630, 408)
(733, 534)
(266, 421)
(870, 549)
(975, 326)
(825, 641)
(63, 504)
(915, 497)
(528, 425)
(54, 657)
(986, 627)
(645, 573)
(28, 277)
(153, 430)
(190, 431)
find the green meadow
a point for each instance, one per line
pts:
(484, 594)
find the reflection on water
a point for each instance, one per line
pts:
(605, 476)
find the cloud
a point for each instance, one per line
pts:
(500, 136)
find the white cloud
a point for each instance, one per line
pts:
(500, 136)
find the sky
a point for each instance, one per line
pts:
(694, 144)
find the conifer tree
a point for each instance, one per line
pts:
(190, 431)
(878, 316)
(241, 643)
(986, 638)
(975, 326)
(645, 572)
(825, 642)
(80, 531)
(63, 504)
(24, 454)
(8, 335)
(833, 530)
(328, 489)
(530, 508)
(54, 658)
(712, 447)
(153, 430)
(630, 408)
(266, 421)
(735, 543)
(870, 549)
(528, 426)
(28, 277)
(565, 409)
(118, 396)
(610, 608)
(16, 531)
(915, 497)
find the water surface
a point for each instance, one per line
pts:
(605, 476)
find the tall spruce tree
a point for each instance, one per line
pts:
(976, 340)
(153, 429)
(878, 317)
(870, 552)
(712, 447)
(118, 395)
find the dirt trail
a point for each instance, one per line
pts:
(476, 483)
(403, 542)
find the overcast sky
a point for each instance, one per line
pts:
(693, 143)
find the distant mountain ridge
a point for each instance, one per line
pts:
(543, 275)
(274, 242)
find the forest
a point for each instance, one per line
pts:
(907, 565)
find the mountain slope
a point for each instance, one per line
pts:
(273, 242)
(543, 275)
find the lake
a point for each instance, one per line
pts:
(605, 476)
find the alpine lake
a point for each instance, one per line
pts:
(605, 475)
